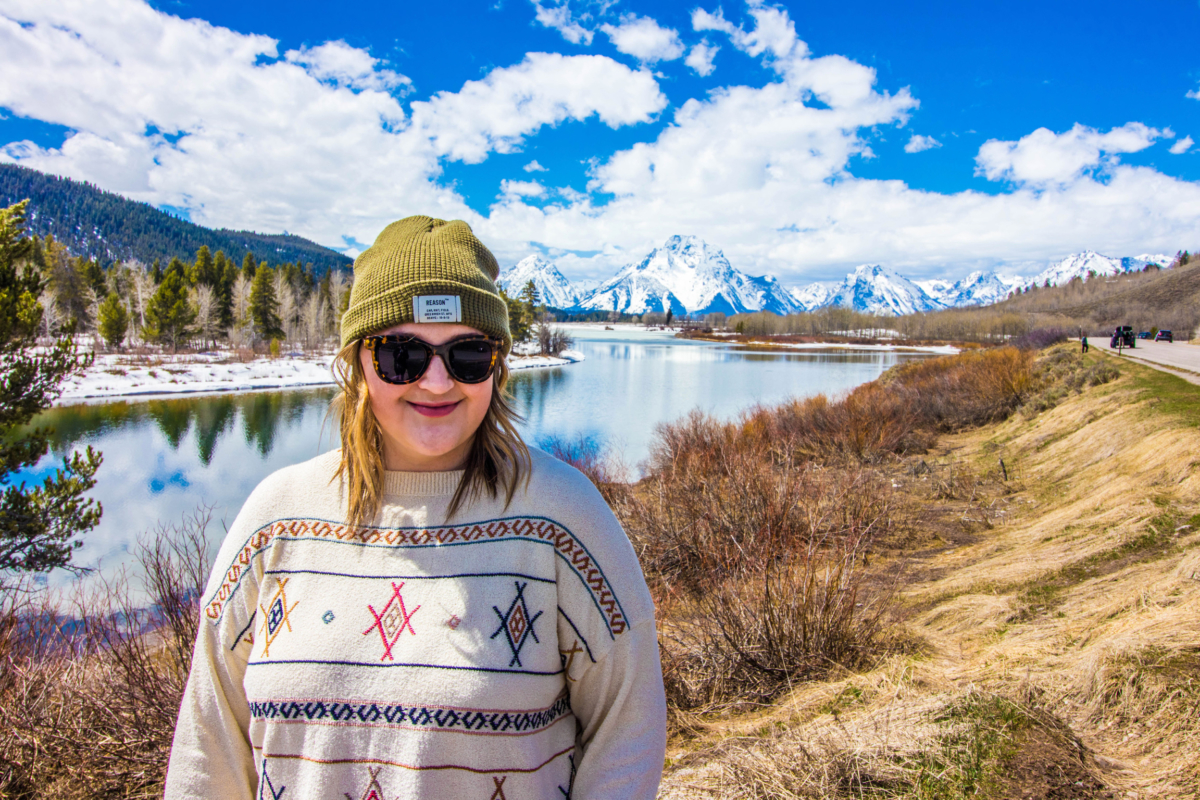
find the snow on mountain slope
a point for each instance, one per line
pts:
(980, 289)
(553, 287)
(876, 289)
(1077, 265)
(687, 276)
(1132, 263)
(811, 297)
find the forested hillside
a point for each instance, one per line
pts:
(100, 225)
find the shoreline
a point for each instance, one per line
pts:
(112, 378)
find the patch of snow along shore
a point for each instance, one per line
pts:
(113, 376)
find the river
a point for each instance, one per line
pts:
(163, 457)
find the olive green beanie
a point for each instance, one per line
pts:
(422, 269)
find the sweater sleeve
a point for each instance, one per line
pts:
(609, 646)
(619, 702)
(211, 755)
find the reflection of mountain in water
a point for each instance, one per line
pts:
(211, 417)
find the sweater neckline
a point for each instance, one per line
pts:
(421, 484)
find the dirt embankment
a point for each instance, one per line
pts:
(1048, 637)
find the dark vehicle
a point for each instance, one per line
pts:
(1123, 337)
(1144, 335)
(1164, 336)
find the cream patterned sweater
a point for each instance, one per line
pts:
(504, 654)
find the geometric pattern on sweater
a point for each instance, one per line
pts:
(516, 624)
(373, 791)
(537, 529)
(488, 722)
(278, 615)
(392, 621)
(266, 789)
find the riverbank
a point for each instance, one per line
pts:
(117, 375)
(887, 343)
(1043, 638)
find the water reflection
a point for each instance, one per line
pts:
(163, 457)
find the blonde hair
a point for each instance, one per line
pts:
(498, 455)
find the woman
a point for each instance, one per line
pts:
(434, 610)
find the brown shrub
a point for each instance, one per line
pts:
(89, 694)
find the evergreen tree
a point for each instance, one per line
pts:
(176, 267)
(264, 307)
(249, 266)
(39, 525)
(169, 315)
(224, 291)
(114, 320)
(518, 320)
(203, 272)
(156, 272)
(95, 277)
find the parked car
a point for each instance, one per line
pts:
(1123, 336)
(1145, 335)
(1164, 336)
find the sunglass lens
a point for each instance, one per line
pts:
(402, 362)
(471, 361)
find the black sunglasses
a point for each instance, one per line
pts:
(404, 359)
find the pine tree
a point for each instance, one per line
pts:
(114, 320)
(156, 272)
(169, 315)
(264, 307)
(202, 272)
(229, 275)
(249, 265)
(518, 323)
(39, 525)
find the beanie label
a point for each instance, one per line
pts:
(437, 308)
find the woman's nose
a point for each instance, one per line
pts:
(436, 379)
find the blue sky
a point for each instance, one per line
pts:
(933, 137)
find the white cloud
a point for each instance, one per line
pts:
(496, 113)
(919, 143)
(319, 143)
(522, 188)
(1194, 94)
(218, 124)
(774, 32)
(534, 166)
(706, 21)
(558, 16)
(343, 65)
(644, 39)
(700, 58)
(1182, 146)
(1044, 158)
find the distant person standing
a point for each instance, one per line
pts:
(435, 610)
(1085, 346)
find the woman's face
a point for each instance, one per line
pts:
(427, 425)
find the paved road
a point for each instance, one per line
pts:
(1181, 355)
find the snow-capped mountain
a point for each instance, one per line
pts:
(687, 276)
(877, 289)
(979, 289)
(553, 287)
(811, 297)
(1132, 263)
(1077, 265)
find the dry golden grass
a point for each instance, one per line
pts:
(1062, 641)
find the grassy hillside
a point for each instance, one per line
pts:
(105, 226)
(1046, 637)
(1168, 298)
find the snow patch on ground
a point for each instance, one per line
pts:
(112, 376)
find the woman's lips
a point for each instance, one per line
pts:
(434, 410)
